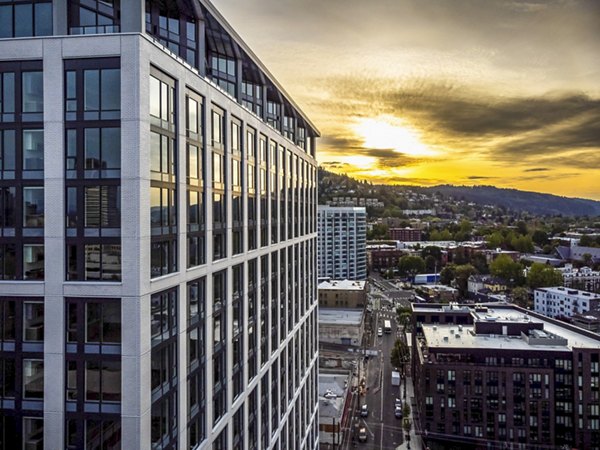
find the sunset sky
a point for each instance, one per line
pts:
(426, 92)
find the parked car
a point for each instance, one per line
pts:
(380, 331)
(398, 412)
(362, 435)
(364, 411)
(398, 403)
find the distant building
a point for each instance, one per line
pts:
(334, 402)
(406, 234)
(427, 278)
(486, 283)
(584, 278)
(341, 326)
(504, 378)
(418, 212)
(342, 294)
(439, 293)
(342, 238)
(589, 321)
(382, 259)
(564, 302)
(577, 253)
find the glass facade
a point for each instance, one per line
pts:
(163, 175)
(164, 373)
(22, 209)
(93, 373)
(220, 367)
(93, 16)
(93, 170)
(25, 18)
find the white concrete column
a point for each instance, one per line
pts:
(54, 246)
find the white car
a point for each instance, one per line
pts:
(380, 331)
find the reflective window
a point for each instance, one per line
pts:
(103, 381)
(33, 379)
(7, 94)
(32, 96)
(33, 206)
(93, 16)
(33, 321)
(102, 94)
(33, 150)
(26, 19)
(33, 433)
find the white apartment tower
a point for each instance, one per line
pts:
(342, 240)
(158, 240)
(564, 302)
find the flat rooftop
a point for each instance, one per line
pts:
(344, 285)
(336, 316)
(445, 335)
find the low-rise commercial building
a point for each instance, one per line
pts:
(504, 377)
(341, 326)
(342, 294)
(334, 402)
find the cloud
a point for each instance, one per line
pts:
(537, 169)
(505, 129)
(478, 177)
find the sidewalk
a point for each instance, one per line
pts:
(416, 443)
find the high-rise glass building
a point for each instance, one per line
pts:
(342, 242)
(158, 239)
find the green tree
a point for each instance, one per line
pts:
(587, 259)
(540, 237)
(379, 231)
(520, 297)
(400, 353)
(409, 266)
(461, 277)
(447, 274)
(495, 240)
(511, 271)
(404, 319)
(522, 243)
(542, 275)
(479, 261)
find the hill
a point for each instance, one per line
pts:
(515, 200)
(332, 184)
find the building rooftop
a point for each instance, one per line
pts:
(574, 293)
(332, 394)
(337, 316)
(346, 285)
(551, 336)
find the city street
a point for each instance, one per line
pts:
(384, 430)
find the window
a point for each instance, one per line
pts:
(102, 94)
(174, 29)
(33, 433)
(24, 19)
(33, 151)
(223, 70)
(163, 194)
(93, 152)
(105, 434)
(33, 379)
(164, 357)
(102, 152)
(33, 321)
(7, 377)
(33, 207)
(103, 381)
(93, 16)
(33, 262)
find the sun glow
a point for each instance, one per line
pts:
(385, 132)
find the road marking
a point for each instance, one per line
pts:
(368, 429)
